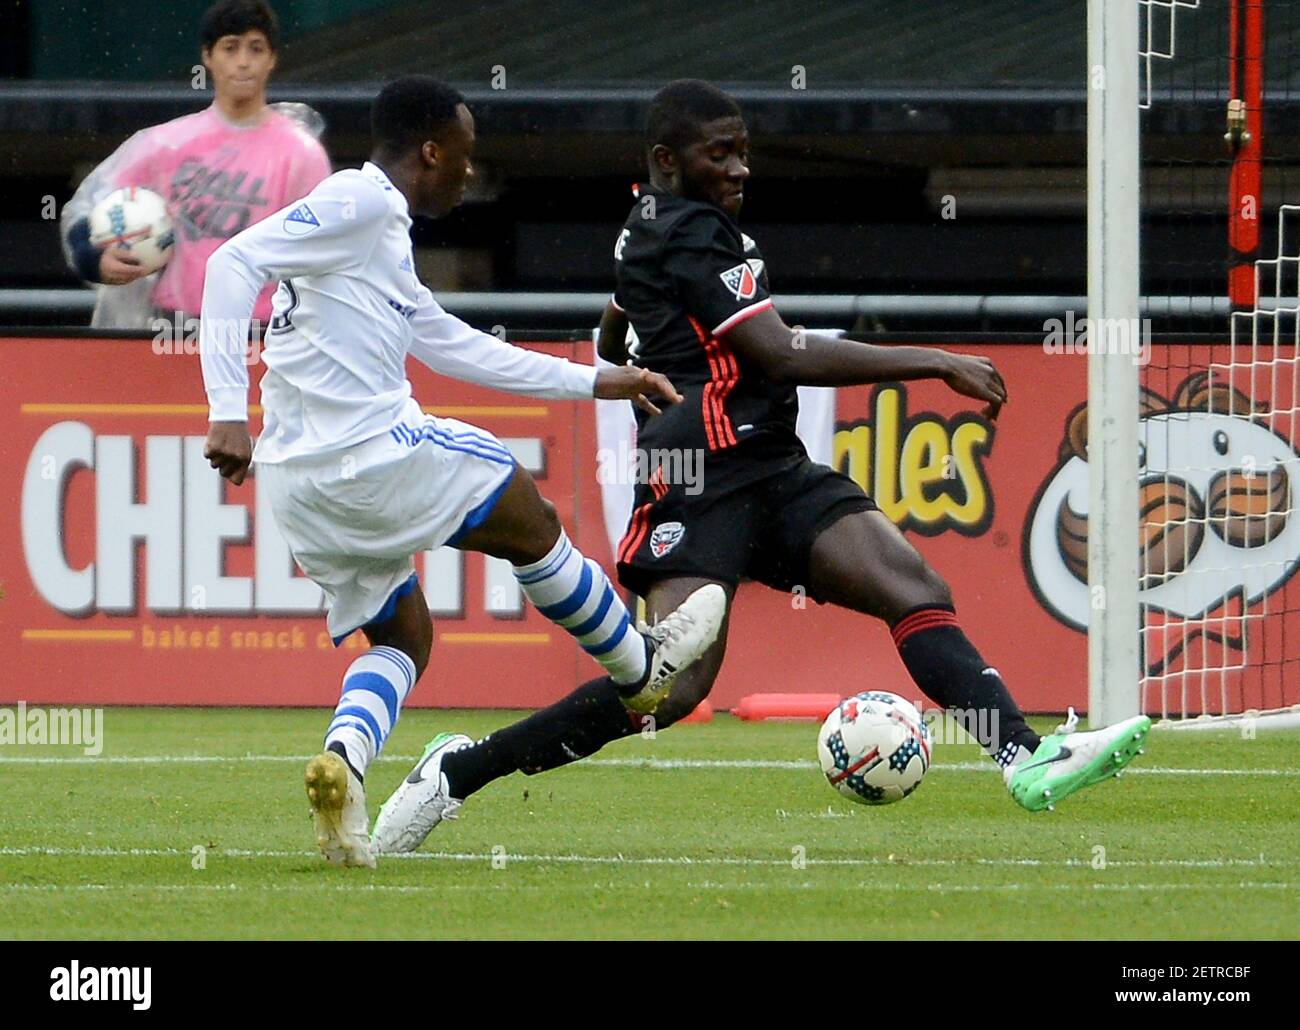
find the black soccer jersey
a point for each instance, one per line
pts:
(686, 274)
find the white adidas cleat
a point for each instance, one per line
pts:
(338, 804)
(421, 802)
(677, 640)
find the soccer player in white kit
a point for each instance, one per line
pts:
(359, 478)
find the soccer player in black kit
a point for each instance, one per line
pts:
(694, 287)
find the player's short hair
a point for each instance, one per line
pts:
(410, 110)
(680, 108)
(235, 17)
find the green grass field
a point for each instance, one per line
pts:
(723, 830)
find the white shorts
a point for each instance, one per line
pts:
(355, 519)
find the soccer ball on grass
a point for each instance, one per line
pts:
(874, 748)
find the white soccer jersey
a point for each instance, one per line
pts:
(348, 310)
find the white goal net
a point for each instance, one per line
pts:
(1219, 482)
(1218, 436)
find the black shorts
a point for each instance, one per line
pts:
(755, 518)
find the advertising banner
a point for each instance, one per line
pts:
(130, 573)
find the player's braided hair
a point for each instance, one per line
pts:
(235, 17)
(678, 110)
(410, 110)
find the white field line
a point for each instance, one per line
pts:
(839, 887)
(656, 764)
(660, 860)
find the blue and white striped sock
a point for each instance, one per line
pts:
(574, 593)
(374, 688)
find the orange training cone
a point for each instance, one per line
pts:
(703, 713)
(755, 707)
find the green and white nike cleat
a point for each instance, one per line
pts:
(1067, 761)
(421, 801)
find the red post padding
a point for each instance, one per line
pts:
(1245, 185)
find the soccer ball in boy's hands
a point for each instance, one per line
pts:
(874, 748)
(134, 219)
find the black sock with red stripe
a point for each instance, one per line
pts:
(576, 726)
(949, 671)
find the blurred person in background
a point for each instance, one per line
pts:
(220, 170)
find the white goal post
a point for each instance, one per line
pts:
(1194, 492)
(1113, 290)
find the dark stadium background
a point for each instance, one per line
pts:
(906, 102)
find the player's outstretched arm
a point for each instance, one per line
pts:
(612, 345)
(452, 348)
(638, 385)
(808, 359)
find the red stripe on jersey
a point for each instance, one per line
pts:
(733, 368)
(708, 406)
(725, 373)
(710, 410)
(723, 384)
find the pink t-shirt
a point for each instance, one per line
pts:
(218, 179)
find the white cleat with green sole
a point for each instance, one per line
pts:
(1067, 761)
